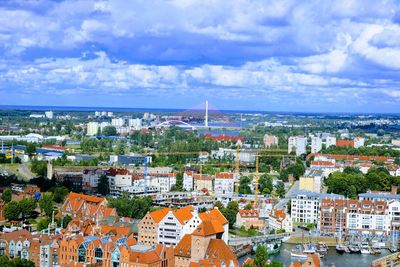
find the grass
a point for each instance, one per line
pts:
(244, 233)
(329, 241)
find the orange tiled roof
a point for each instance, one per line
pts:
(148, 257)
(219, 250)
(213, 214)
(158, 215)
(207, 228)
(184, 214)
(279, 214)
(224, 175)
(344, 143)
(248, 213)
(183, 248)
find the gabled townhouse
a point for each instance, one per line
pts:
(148, 226)
(203, 182)
(224, 183)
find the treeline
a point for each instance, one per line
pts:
(135, 207)
(363, 151)
(352, 182)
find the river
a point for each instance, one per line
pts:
(331, 259)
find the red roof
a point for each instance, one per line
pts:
(351, 157)
(248, 213)
(344, 143)
(54, 147)
(322, 163)
(223, 137)
(224, 175)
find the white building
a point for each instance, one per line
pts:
(188, 181)
(330, 141)
(103, 125)
(280, 220)
(135, 123)
(164, 182)
(270, 140)
(92, 128)
(117, 122)
(316, 144)
(297, 144)
(49, 114)
(358, 142)
(305, 206)
(224, 183)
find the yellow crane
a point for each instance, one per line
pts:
(237, 182)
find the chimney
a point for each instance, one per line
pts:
(394, 190)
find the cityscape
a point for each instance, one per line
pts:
(199, 133)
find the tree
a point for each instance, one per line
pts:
(46, 204)
(230, 212)
(179, 182)
(7, 195)
(248, 207)
(265, 184)
(109, 131)
(39, 167)
(261, 256)
(66, 220)
(43, 224)
(280, 189)
(219, 205)
(276, 263)
(59, 194)
(103, 186)
(27, 205)
(12, 210)
(244, 186)
(16, 262)
(135, 207)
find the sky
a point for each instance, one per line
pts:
(289, 55)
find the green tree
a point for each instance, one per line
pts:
(244, 185)
(230, 212)
(135, 207)
(248, 207)
(43, 223)
(265, 184)
(179, 182)
(27, 205)
(7, 195)
(261, 256)
(219, 205)
(39, 167)
(103, 186)
(12, 210)
(276, 263)
(60, 193)
(66, 219)
(109, 131)
(280, 189)
(16, 262)
(46, 204)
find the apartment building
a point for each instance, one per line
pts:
(92, 128)
(330, 141)
(316, 144)
(312, 180)
(270, 140)
(305, 206)
(90, 179)
(188, 181)
(224, 183)
(297, 144)
(163, 181)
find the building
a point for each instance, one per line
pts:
(90, 179)
(297, 144)
(129, 159)
(330, 141)
(86, 207)
(188, 181)
(248, 219)
(49, 114)
(204, 248)
(345, 143)
(2, 206)
(270, 140)
(117, 122)
(396, 142)
(148, 226)
(280, 220)
(312, 180)
(305, 206)
(135, 123)
(358, 142)
(203, 182)
(311, 261)
(224, 183)
(71, 179)
(162, 181)
(316, 144)
(92, 128)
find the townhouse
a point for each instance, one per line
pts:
(188, 181)
(148, 226)
(248, 219)
(203, 182)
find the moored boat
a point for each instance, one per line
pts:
(340, 248)
(365, 249)
(322, 248)
(355, 249)
(297, 252)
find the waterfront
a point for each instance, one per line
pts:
(331, 259)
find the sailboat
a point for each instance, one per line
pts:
(340, 248)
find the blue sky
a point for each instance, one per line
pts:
(336, 56)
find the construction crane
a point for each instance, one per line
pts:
(256, 182)
(237, 182)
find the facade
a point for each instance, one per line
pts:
(188, 180)
(270, 140)
(203, 182)
(148, 226)
(162, 181)
(117, 122)
(279, 220)
(129, 159)
(312, 180)
(92, 128)
(248, 219)
(358, 142)
(90, 179)
(224, 183)
(297, 144)
(330, 141)
(316, 144)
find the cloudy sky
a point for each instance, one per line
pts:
(340, 55)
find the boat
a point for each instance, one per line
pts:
(355, 249)
(297, 252)
(322, 248)
(376, 249)
(365, 249)
(341, 248)
(309, 249)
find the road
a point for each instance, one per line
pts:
(25, 171)
(293, 191)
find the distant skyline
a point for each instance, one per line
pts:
(295, 56)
